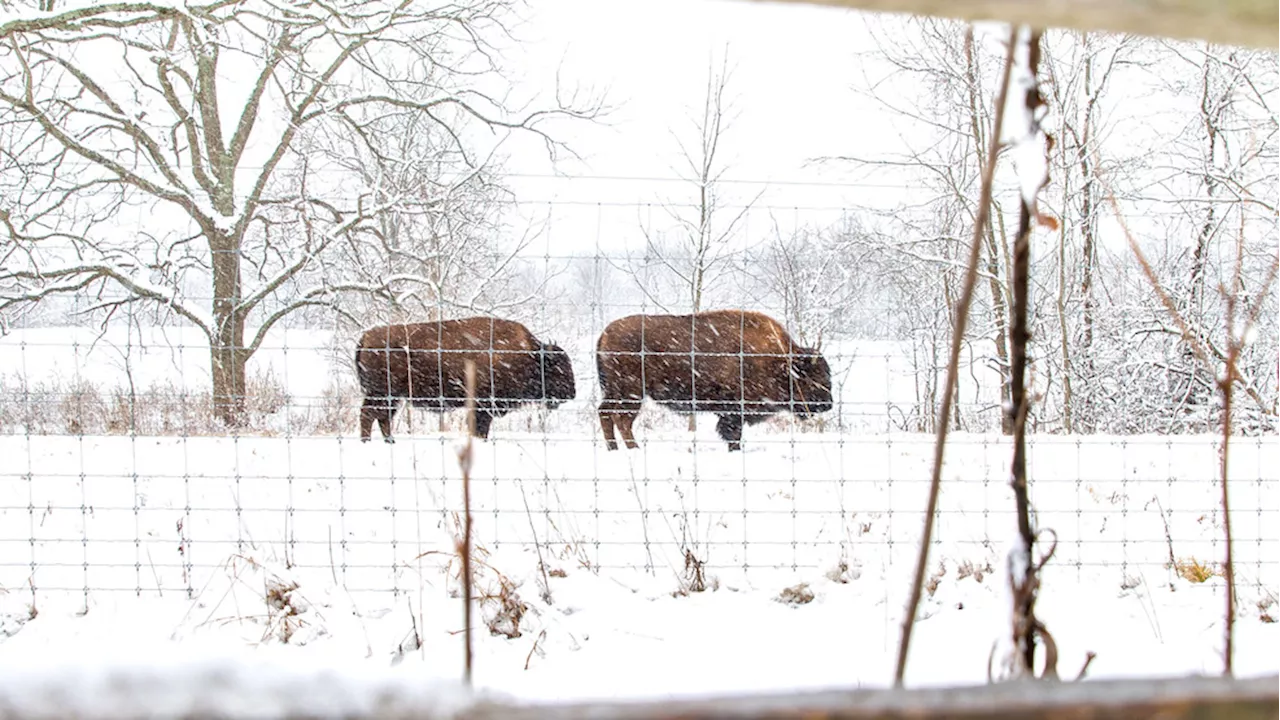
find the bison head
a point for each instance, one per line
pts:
(557, 376)
(811, 376)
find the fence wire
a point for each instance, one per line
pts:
(122, 478)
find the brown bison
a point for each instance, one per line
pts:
(740, 365)
(425, 363)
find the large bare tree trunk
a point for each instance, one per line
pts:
(299, 66)
(227, 351)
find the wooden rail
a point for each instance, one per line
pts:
(1252, 23)
(200, 691)
(1202, 698)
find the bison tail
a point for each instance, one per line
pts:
(600, 374)
(364, 374)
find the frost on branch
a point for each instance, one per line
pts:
(146, 174)
(1025, 111)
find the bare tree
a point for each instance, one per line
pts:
(121, 111)
(694, 248)
(939, 81)
(824, 279)
(1081, 68)
(1194, 191)
(693, 252)
(440, 244)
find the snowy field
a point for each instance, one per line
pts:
(677, 568)
(589, 561)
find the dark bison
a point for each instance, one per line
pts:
(425, 363)
(740, 365)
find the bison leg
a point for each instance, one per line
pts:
(624, 420)
(384, 421)
(379, 410)
(620, 415)
(483, 421)
(606, 427)
(366, 421)
(730, 429)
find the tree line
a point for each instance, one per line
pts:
(353, 174)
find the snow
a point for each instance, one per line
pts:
(317, 551)
(324, 550)
(1011, 572)
(1022, 126)
(217, 682)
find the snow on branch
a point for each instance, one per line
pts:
(85, 15)
(322, 295)
(308, 253)
(73, 278)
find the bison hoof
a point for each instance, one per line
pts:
(389, 441)
(364, 439)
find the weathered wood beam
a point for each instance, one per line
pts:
(1251, 23)
(199, 691)
(1201, 698)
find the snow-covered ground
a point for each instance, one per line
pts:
(319, 549)
(130, 548)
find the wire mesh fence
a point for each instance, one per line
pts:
(229, 380)
(139, 472)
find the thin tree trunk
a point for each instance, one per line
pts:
(1200, 256)
(1195, 295)
(1062, 317)
(999, 307)
(1088, 228)
(953, 325)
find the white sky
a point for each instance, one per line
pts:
(791, 87)
(796, 68)
(653, 59)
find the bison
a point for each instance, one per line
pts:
(425, 363)
(740, 365)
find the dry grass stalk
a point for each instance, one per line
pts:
(1194, 571)
(76, 406)
(1226, 382)
(796, 595)
(953, 366)
(464, 462)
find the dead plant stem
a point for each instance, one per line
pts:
(953, 367)
(1226, 384)
(1026, 626)
(537, 546)
(465, 458)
